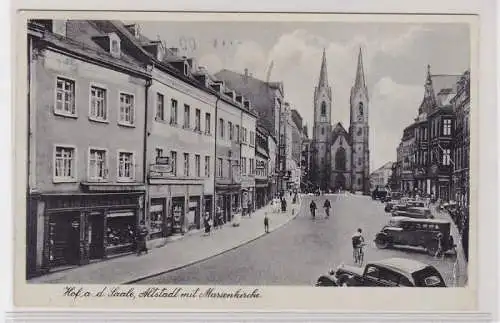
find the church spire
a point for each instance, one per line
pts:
(323, 76)
(360, 75)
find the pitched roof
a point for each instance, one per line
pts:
(260, 93)
(339, 130)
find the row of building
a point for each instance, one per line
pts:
(123, 130)
(434, 152)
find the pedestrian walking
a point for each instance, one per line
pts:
(249, 208)
(313, 208)
(266, 223)
(283, 204)
(207, 223)
(141, 234)
(327, 207)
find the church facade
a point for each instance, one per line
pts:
(341, 158)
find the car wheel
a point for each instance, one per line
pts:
(381, 243)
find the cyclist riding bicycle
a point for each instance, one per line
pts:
(358, 242)
(327, 207)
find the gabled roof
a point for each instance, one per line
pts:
(259, 92)
(339, 130)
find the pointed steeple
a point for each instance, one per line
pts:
(360, 75)
(323, 76)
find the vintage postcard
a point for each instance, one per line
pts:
(247, 161)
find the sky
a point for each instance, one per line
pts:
(395, 58)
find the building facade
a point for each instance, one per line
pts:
(262, 188)
(341, 158)
(380, 177)
(85, 194)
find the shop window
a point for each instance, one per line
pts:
(120, 231)
(157, 218)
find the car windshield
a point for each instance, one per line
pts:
(428, 277)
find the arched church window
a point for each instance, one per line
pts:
(360, 131)
(340, 158)
(322, 130)
(340, 141)
(323, 108)
(360, 106)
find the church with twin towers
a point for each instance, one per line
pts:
(341, 157)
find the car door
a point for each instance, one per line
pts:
(388, 278)
(371, 276)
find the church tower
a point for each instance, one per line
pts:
(359, 131)
(322, 127)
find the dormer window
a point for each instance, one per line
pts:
(160, 53)
(114, 45)
(186, 68)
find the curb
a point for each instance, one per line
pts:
(292, 217)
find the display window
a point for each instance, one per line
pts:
(120, 230)
(157, 218)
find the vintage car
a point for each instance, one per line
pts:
(398, 207)
(392, 272)
(379, 192)
(415, 203)
(392, 196)
(421, 233)
(415, 212)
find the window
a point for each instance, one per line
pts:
(244, 135)
(207, 166)
(197, 120)
(359, 181)
(158, 152)
(98, 108)
(243, 166)
(65, 97)
(173, 112)
(197, 165)
(115, 47)
(160, 108)
(219, 167)
(97, 164)
(446, 157)
(322, 130)
(360, 107)
(372, 272)
(447, 127)
(221, 128)
(186, 164)
(360, 161)
(125, 166)
(126, 109)
(230, 129)
(64, 163)
(207, 123)
(323, 109)
(252, 166)
(173, 158)
(340, 159)
(237, 133)
(252, 138)
(187, 114)
(230, 168)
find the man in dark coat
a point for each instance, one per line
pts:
(142, 233)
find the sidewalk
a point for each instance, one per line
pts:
(176, 254)
(461, 270)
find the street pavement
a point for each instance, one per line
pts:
(304, 249)
(191, 249)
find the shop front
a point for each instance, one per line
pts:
(80, 227)
(227, 202)
(261, 189)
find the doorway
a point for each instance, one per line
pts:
(96, 235)
(64, 239)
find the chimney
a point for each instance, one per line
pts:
(174, 51)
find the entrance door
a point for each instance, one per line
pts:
(64, 239)
(96, 235)
(340, 181)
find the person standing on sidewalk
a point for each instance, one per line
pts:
(313, 208)
(327, 207)
(142, 233)
(266, 223)
(249, 208)
(207, 223)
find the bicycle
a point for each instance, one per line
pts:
(359, 254)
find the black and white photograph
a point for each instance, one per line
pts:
(252, 153)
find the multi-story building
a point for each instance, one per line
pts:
(272, 166)
(426, 147)
(380, 176)
(248, 125)
(262, 188)
(87, 102)
(461, 149)
(267, 99)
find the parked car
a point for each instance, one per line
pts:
(423, 233)
(415, 212)
(392, 272)
(379, 193)
(415, 203)
(398, 207)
